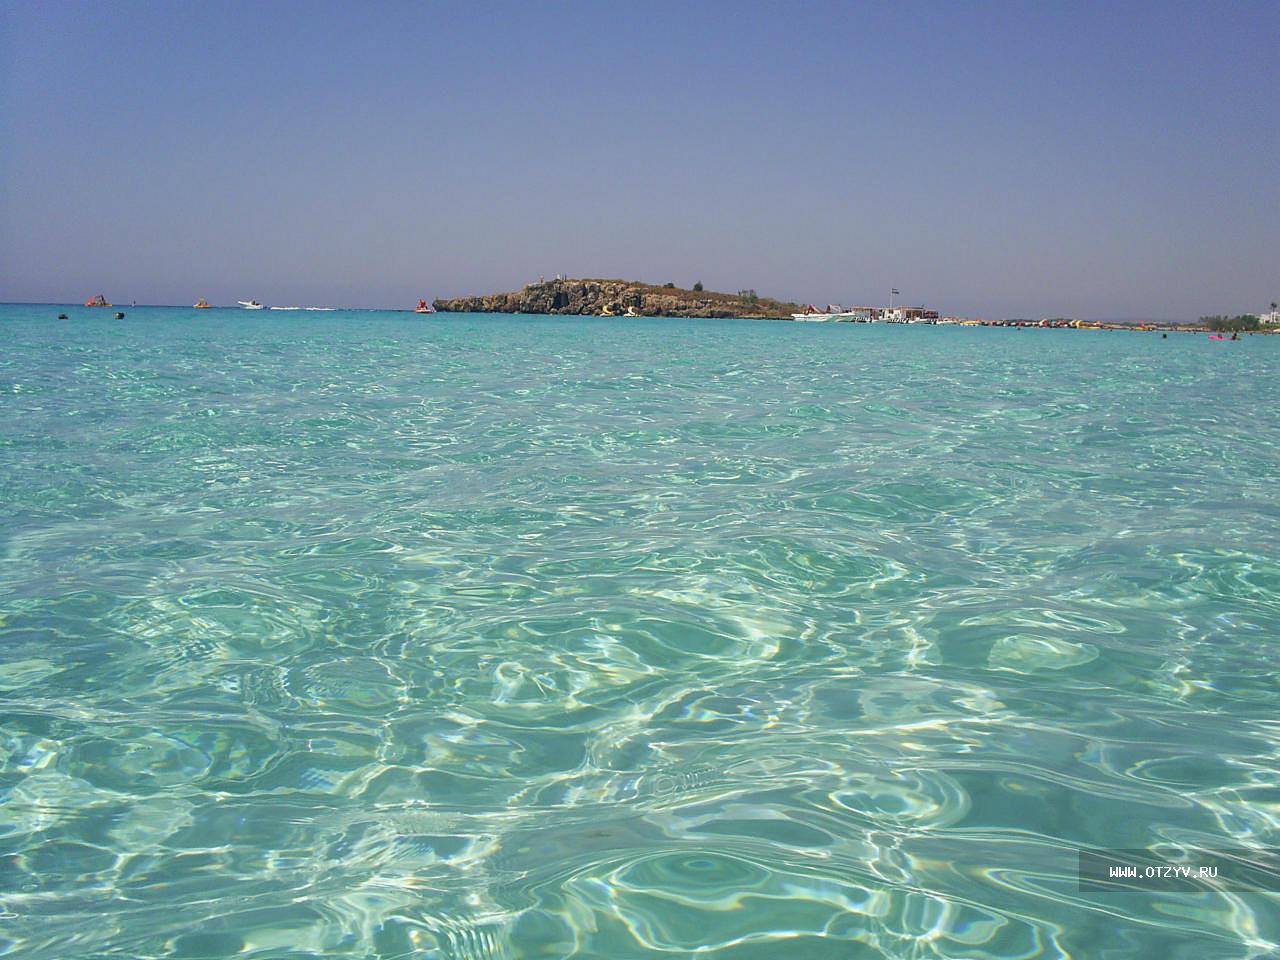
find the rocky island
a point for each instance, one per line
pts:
(621, 298)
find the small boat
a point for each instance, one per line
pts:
(250, 304)
(201, 304)
(813, 315)
(424, 307)
(98, 301)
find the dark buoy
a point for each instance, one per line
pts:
(119, 315)
(62, 316)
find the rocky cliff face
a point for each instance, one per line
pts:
(596, 297)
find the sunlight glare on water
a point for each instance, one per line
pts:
(368, 635)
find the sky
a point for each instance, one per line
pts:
(987, 159)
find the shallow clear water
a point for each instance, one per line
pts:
(371, 635)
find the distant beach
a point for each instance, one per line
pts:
(631, 299)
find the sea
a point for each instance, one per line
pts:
(371, 635)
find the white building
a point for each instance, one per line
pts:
(907, 314)
(1273, 317)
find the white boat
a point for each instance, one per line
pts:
(833, 312)
(813, 315)
(250, 304)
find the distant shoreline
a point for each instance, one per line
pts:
(672, 302)
(632, 299)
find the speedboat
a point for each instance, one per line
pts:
(813, 315)
(424, 307)
(250, 304)
(98, 301)
(201, 304)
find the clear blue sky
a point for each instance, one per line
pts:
(1021, 159)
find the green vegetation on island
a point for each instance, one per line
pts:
(622, 298)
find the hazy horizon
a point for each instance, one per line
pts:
(993, 160)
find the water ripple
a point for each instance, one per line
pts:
(487, 637)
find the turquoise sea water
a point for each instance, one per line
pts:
(372, 635)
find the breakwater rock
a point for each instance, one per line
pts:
(620, 298)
